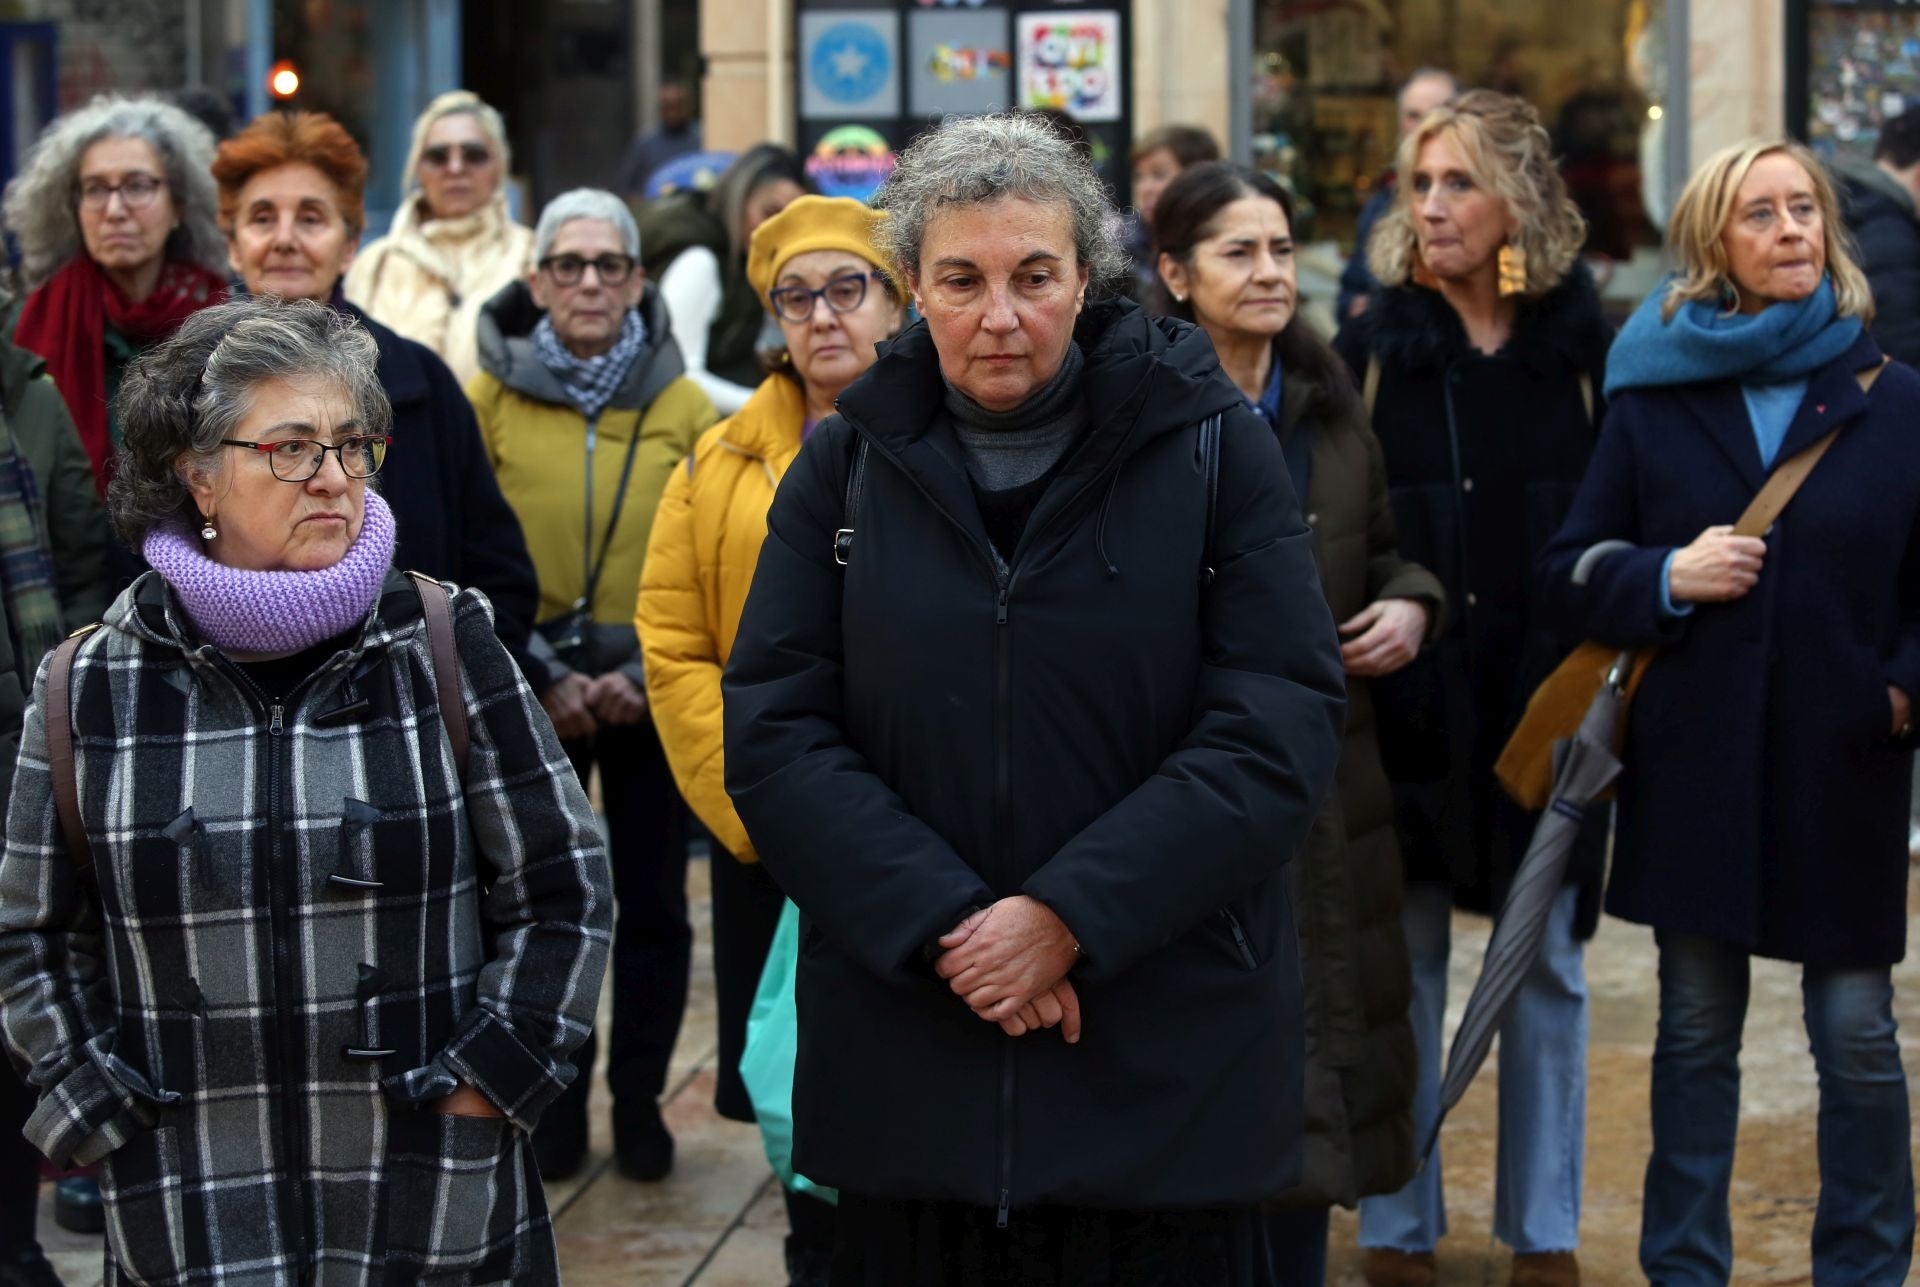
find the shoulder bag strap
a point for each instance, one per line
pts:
(856, 481)
(58, 719)
(1210, 470)
(1780, 486)
(1370, 389)
(434, 604)
(613, 519)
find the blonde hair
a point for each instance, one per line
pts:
(1509, 153)
(1700, 220)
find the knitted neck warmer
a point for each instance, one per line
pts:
(1012, 448)
(275, 612)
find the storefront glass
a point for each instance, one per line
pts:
(1325, 77)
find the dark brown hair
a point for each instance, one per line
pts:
(1185, 217)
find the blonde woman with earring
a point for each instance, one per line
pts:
(1480, 364)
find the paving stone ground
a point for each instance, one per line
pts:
(718, 1221)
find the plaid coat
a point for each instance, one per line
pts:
(304, 932)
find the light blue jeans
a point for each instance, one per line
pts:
(1543, 1091)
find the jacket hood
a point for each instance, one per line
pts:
(505, 333)
(18, 367)
(1155, 373)
(1865, 185)
(1414, 328)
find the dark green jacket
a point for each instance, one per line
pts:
(73, 523)
(1347, 880)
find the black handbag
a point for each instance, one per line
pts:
(571, 635)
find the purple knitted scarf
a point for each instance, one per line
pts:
(275, 612)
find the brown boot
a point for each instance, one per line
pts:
(1546, 1269)
(1384, 1268)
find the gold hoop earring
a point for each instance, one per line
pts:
(1513, 269)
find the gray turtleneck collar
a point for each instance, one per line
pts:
(1006, 449)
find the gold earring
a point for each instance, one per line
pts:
(1513, 269)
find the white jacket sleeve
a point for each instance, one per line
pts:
(690, 288)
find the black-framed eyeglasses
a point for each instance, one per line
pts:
(843, 294)
(567, 270)
(472, 155)
(138, 191)
(295, 460)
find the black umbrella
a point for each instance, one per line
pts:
(1584, 765)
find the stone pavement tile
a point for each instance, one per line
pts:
(656, 1256)
(750, 1257)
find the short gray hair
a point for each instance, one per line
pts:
(977, 159)
(585, 203)
(184, 395)
(40, 207)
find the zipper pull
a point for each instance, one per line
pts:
(1000, 1214)
(276, 728)
(1000, 613)
(1240, 941)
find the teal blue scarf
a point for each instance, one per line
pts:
(1704, 343)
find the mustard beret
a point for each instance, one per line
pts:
(812, 223)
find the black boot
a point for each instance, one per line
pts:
(76, 1205)
(642, 1144)
(560, 1142)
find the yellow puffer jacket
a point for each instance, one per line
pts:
(538, 443)
(700, 560)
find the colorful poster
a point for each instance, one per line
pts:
(849, 65)
(850, 161)
(1071, 61)
(960, 62)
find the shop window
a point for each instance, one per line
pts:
(1326, 76)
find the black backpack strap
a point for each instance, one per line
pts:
(1210, 468)
(435, 606)
(856, 480)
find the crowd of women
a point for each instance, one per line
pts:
(1115, 688)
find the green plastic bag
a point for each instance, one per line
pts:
(773, 1039)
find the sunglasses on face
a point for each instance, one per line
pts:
(138, 191)
(843, 294)
(472, 155)
(567, 270)
(295, 460)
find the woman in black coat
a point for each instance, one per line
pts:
(1036, 754)
(1480, 365)
(1763, 807)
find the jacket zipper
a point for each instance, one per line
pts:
(281, 929)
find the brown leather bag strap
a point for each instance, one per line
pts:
(58, 719)
(446, 665)
(1780, 486)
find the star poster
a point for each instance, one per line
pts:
(849, 65)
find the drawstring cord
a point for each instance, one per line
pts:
(1100, 528)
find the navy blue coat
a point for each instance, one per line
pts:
(925, 731)
(1764, 802)
(450, 520)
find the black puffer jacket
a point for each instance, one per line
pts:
(921, 733)
(1886, 231)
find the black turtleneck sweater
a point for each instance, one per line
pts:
(1013, 455)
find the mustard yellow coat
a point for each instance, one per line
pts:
(700, 560)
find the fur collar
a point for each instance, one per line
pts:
(1412, 328)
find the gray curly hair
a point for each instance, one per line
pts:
(39, 207)
(181, 397)
(977, 159)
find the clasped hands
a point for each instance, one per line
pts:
(1009, 963)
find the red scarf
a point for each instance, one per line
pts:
(65, 322)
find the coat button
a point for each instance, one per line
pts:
(1313, 520)
(1466, 484)
(1473, 600)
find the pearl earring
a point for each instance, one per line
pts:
(207, 530)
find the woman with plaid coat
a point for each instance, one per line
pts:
(323, 974)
